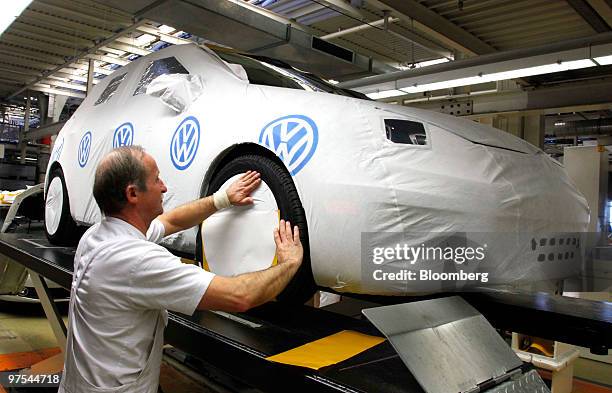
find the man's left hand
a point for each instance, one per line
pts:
(239, 191)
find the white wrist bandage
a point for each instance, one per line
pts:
(221, 200)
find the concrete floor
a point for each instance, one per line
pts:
(24, 329)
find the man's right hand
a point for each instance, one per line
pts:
(239, 293)
(288, 245)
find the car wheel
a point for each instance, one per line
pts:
(252, 226)
(59, 225)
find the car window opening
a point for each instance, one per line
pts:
(168, 65)
(110, 90)
(271, 72)
(405, 132)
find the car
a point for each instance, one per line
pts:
(368, 183)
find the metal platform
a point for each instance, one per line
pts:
(239, 343)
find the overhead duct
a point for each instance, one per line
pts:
(584, 127)
(253, 30)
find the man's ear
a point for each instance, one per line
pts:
(131, 193)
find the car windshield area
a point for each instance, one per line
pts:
(269, 72)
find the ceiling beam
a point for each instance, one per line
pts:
(62, 92)
(108, 50)
(81, 54)
(56, 83)
(107, 59)
(589, 15)
(437, 26)
(603, 8)
(72, 76)
(129, 48)
(82, 65)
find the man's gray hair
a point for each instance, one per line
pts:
(120, 168)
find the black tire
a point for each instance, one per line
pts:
(302, 286)
(68, 232)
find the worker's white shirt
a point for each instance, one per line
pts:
(121, 296)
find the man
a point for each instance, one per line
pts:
(124, 282)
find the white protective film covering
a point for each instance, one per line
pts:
(177, 91)
(53, 205)
(350, 178)
(240, 239)
(495, 188)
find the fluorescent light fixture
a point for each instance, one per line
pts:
(499, 76)
(10, 11)
(385, 94)
(559, 123)
(145, 39)
(604, 60)
(166, 29)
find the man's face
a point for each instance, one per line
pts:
(153, 197)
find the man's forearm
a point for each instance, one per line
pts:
(187, 215)
(265, 285)
(247, 290)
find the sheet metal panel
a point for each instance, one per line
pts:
(447, 345)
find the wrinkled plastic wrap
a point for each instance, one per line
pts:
(177, 91)
(168, 65)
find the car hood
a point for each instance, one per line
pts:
(467, 129)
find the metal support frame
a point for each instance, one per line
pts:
(90, 71)
(53, 315)
(26, 127)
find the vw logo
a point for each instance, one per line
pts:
(185, 142)
(293, 139)
(124, 135)
(84, 147)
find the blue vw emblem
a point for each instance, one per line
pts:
(293, 139)
(185, 142)
(84, 147)
(124, 135)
